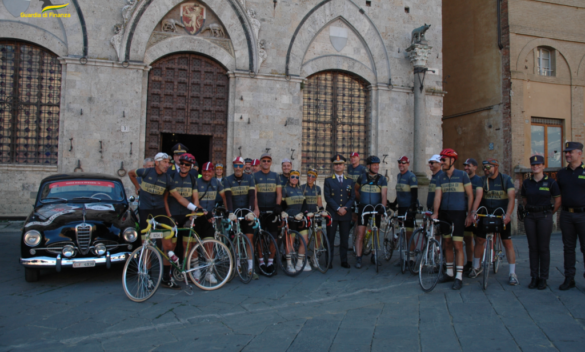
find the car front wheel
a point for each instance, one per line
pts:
(32, 275)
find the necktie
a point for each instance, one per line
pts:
(340, 180)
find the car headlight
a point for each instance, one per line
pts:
(32, 238)
(68, 251)
(100, 249)
(130, 234)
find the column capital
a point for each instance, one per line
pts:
(418, 53)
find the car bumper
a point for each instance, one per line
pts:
(50, 262)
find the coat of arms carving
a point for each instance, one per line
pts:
(193, 17)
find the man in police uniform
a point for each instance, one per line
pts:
(571, 180)
(178, 150)
(339, 195)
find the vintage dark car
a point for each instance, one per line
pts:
(79, 220)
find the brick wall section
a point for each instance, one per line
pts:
(506, 164)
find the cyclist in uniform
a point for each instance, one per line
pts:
(453, 202)
(312, 192)
(354, 171)
(296, 205)
(240, 193)
(207, 189)
(497, 192)
(470, 166)
(370, 189)
(406, 195)
(255, 166)
(268, 195)
(155, 182)
(286, 168)
(248, 166)
(435, 166)
(178, 150)
(219, 176)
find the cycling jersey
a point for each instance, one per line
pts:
(432, 187)
(266, 185)
(311, 195)
(185, 186)
(453, 190)
(153, 187)
(371, 188)
(207, 192)
(404, 183)
(495, 192)
(355, 172)
(475, 184)
(282, 179)
(239, 189)
(294, 198)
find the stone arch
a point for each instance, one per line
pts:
(581, 69)
(189, 44)
(33, 34)
(341, 63)
(323, 14)
(544, 42)
(230, 12)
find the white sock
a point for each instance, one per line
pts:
(459, 273)
(260, 261)
(250, 263)
(450, 269)
(476, 263)
(270, 261)
(512, 268)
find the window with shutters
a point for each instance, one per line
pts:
(546, 138)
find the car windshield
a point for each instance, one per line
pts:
(82, 191)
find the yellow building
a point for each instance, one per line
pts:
(514, 71)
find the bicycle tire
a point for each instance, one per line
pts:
(216, 261)
(319, 253)
(240, 251)
(486, 262)
(262, 242)
(430, 266)
(389, 245)
(416, 247)
(138, 281)
(497, 254)
(297, 242)
(376, 254)
(402, 248)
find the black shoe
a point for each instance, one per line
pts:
(446, 278)
(457, 284)
(358, 262)
(270, 269)
(467, 268)
(541, 284)
(411, 263)
(170, 284)
(373, 259)
(262, 269)
(533, 283)
(569, 283)
(345, 265)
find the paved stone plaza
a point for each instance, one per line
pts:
(343, 310)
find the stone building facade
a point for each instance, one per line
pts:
(227, 77)
(515, 72)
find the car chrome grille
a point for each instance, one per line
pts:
(83, 232)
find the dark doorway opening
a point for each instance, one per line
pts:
(197, 145)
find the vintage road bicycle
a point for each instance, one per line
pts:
(290, 243)
(492, 254)
(265, 246)
(318, 247)
(372, 234)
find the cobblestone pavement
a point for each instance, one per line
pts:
(343, 310)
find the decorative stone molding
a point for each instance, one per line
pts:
(418, 54)
(120, 28)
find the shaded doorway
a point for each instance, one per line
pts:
(197, 145)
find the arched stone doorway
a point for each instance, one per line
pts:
(187, 103)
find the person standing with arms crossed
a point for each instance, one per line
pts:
(470, 166)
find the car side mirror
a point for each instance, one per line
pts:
(131, 199)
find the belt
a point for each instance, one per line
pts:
(574, 210)
(535, 209)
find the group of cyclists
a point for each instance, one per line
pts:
(454, 197)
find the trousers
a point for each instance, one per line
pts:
(343, 239)
(538, 228)
(573, 228)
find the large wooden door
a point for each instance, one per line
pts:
(187, 94)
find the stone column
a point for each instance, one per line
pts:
(418, 54)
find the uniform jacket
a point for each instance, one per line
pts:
(339, 195)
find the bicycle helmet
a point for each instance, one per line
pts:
(187, 157)
(449, 153)
(372, 159)
(312, 172)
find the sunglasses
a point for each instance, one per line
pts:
(443, 159)
(294, 177)
(432, 162)
(184, 164)
(403, 162)
(311, 176)
(266, 161)
(487, 167)
(238, 166)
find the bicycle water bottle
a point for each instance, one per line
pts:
(173, 257)
(368, 232)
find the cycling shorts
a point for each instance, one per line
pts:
(455, 217)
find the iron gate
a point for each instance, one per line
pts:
(187, 94)
(336, 118)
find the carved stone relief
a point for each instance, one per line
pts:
(120, 28)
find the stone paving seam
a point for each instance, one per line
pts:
(297, 334)
(452, 324)
(535, 323)
(337, 332)
(504, 324)
(376, 325)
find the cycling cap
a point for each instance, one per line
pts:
(208, 166)
(404, 158)
(161, 156)
(354, 154)
(238, 159)
(286, 160)
(470, 161)
(436, 158)
(313, 172)
(295, 172)
(247, 160)
(219, 166)
(491, 161)
(256, 162)
(372, 159)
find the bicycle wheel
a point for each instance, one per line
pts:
(376, 242)
(142, 273)
(416, 247)
(389, 244)
(318, 251)
(241, 247)
(295, 243)
(498, 253)
(402, 249)
(265, 247)
(487, 261)
(430, 266)
(209, 264)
